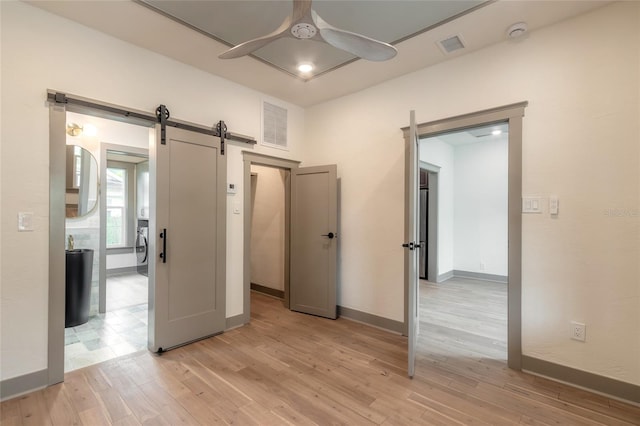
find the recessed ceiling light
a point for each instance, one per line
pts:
(305, 68)
(496, 132)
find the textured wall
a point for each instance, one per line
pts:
(580, 142)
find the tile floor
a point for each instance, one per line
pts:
(121, 330)
(125, 290)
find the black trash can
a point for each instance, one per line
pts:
(78, 286)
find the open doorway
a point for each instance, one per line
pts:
(267, 198)
(311, 200)
(184, 159)
(109, 228)
(512, 115)
(463, 309)
(270, 227)
(310, 251)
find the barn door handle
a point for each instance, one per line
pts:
(163, 255)
(330, 235)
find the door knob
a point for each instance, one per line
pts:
(330, 235)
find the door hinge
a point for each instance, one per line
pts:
(221, 128)
(411, 245)
(162, 114)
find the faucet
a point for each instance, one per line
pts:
(70, 242)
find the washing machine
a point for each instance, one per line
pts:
(142, 247)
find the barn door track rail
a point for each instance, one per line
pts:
(162, 116)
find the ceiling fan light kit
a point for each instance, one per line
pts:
(305, 24)
(305, 68)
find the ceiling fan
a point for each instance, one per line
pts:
(305, 24)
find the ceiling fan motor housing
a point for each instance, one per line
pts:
(303, 30)
(304, 23)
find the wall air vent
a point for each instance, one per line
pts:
(451, 44)
(274, 126)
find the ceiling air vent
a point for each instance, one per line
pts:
(451, 44)
(274, 125)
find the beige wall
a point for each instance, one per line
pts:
(581, 142)
(267, 226)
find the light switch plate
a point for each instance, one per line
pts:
(231, 188)
(531, 204)
(554, 205)
(25, 221)
(236, 209)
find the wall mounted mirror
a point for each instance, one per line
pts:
(82, 182)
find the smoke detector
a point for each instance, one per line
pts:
(517, 30)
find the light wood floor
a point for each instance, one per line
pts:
(289, 368)
(463, 318)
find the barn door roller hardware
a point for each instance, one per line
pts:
(220, 129)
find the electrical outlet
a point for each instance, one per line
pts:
(578, 331)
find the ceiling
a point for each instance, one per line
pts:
(493, 132)
(272, 69)
(381, 20)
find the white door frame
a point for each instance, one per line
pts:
(513, 115)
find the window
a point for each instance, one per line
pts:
(117, 184)
(127, 197)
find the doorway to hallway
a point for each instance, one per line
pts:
(463, 309)
(512, 115)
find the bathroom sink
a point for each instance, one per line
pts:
(79, 270)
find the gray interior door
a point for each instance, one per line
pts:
(314, 218)
(188, 238)
(412, 251)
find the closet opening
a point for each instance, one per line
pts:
(269, 230)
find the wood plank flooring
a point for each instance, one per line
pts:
(290, 368)
(463, 317)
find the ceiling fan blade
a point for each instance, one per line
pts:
(301, 9)
(251, 46)
(357, 44)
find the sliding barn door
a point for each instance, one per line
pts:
(314, 218)
(189, 239)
